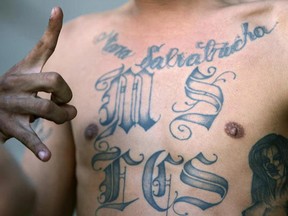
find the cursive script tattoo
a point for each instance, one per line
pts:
(112, 46)
(127, 94)
(126, 102)
(201, 89)
(208, 51)
(268, 160)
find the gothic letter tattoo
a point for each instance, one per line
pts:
(160, 183)
(126, 100)
(113, 187)
(202, 90)
(157, 183)
(127, 103)
(202, 180)
(268, 160)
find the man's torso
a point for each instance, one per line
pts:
(178, 107)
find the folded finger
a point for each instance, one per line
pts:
(39, 107)
(30, 139)
(50, 82)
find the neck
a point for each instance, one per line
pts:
(162, 14)
(173, 5)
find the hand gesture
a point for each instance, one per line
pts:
(19, 103)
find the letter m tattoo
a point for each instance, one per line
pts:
(126, 101)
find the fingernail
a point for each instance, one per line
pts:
(52, 12)
(42, 155)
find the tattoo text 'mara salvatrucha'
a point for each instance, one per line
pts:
(127, 96)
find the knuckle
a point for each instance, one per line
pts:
(6, 101)
(46, 107)
(51, 48)
(8, 82)
(49, 110)
(46, 43)
(9, 103)
(40, 44)
(27, 139)
(55, 79)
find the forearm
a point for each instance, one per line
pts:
(17, 194)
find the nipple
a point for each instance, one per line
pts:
(91, 131)
(234, 130)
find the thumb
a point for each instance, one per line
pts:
(47, 44)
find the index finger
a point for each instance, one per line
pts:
(47, 44)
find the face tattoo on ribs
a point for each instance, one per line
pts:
(268, 160)
(127, 96)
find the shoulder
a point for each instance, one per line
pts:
(281, 14)
(272, 14)
(258, 10)
(268, 11)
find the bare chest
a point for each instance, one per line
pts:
(159, 113)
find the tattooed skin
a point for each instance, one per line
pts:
(190, 177)
(114, 186)
(112, 46)
(268, 160)
(208, 50)
(201, 87)
(127, 97)
(156, 181)
(132, 104)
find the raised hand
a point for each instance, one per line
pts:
(19, 103)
